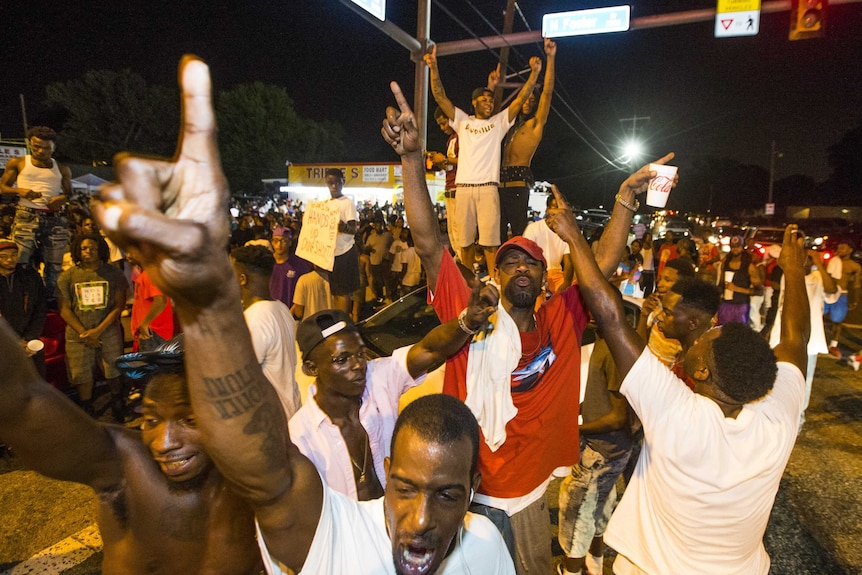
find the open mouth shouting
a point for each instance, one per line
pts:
(416, 558)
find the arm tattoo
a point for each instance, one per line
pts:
(234, 394)
(267, 420)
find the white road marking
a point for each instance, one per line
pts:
(61, 556)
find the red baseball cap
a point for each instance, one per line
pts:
(525, 245)
(7, 244)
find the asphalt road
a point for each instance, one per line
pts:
(815, 527)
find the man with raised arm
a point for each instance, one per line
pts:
(516, 178)
(478, 177)
(523, 385)
(174, 213)
(713, 457)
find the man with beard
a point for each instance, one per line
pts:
(521, 377)
(516, 177)
(421, 525)
(162, 507)
(478, 176)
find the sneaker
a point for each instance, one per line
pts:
(855, 361)
(834, 351)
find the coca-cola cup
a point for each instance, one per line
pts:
(659, 187)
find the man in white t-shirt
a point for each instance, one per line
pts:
(344, 277)
(272, 327)
(478, 177)
(712, 460)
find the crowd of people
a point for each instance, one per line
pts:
(231, 472)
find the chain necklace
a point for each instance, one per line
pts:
(361, 470)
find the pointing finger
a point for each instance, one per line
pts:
(197, 141)
(399, 98)
(561, 199)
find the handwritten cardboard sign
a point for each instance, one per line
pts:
(319, 230)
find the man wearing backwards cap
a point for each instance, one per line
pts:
(530, 421)
(22, 299)
(162, 505)
(345, 427)
(176, 225)
(478, 177)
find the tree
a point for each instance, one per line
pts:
(108, 111)
(259, 130)
(845, 159)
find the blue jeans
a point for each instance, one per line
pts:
(46, 233)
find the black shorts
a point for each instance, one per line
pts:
(344, 279)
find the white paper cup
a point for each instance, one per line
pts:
(35, 345)
(728, 278)
(659, 187)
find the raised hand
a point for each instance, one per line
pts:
(482, 304)
(638, 181)
(399, 127)
(494, 78)
(792, 250)
(561, 219)
(550, 48)
(535, 64)
(431, 57)
(171, 215)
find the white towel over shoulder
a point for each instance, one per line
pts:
(493, 356)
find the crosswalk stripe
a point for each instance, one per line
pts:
(61, 556)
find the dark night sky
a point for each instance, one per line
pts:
(705, 96)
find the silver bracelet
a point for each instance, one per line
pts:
(633, 207)
(463, 324)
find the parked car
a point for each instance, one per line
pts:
(764, 236)
(679, 225)
(407, 320)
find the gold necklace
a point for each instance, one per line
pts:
(361, 470)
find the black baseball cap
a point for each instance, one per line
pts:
(316, 328)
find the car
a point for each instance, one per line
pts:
(764, 236)
(720, 236)
(679, 225)
(407, 320)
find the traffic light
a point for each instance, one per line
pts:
(807, 19)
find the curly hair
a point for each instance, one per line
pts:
(697, 294)
(104, 250)
(441, 419)
(745, 366)
(42, 132)
(254, 259)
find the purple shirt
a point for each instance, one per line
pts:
(282, 284)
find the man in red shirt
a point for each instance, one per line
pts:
(529, 416)
(152, 321)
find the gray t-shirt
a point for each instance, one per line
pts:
(90, 294)
(602, 379)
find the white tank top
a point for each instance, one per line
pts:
(48, 181)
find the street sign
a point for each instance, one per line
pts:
(769, 210)
(376, 8)
(737, 18)
(582, 22)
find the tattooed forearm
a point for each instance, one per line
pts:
(235, 394)
(268, 420)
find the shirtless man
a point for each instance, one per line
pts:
(163, 507)
(848, 275)
(516, 178)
